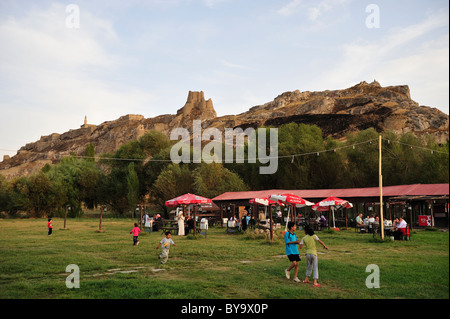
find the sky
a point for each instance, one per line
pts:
(62, 61)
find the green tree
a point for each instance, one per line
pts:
(78, 181)
(211, 180)
(113, 191)
(4, 194)
(173, 181)
(153, 142)
(89, 152)
(36, 194)
(362, 160)
(132, 186)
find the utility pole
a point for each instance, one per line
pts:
(381, 187)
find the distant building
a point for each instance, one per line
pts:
(86, 125)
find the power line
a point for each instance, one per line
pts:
(253, 159)
(417, 146)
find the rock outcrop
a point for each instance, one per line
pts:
(196, 108)
(336, 112)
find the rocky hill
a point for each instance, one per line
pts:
(336, 112)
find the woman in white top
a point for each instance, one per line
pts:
(180, 218)
(400, 224)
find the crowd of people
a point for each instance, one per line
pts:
(185, 223)
(398, 227)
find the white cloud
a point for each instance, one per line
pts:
(212, 3)
(290, 7)
(315, 12)
(234, 65)
(403, 56)
(323, 7)
(314, 9)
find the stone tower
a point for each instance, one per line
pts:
(196, 108)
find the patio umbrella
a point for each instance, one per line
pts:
(324, 205)
(292, 200)
(188, 199)
(261, 201)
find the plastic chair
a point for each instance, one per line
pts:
(406, 233)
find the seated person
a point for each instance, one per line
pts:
(366, 221)
(371, 221)
(399, 228)
(400, 223)
(359, 221)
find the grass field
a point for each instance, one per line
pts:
(222, 266)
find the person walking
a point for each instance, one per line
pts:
(309, 241)
(135, 231)
(165, 247)
(291, 242)
(50, 226)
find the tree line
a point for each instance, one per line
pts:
(141, 171)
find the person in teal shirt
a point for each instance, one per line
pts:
(291, 241)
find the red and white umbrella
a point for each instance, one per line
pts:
(324, 205)
(261, 201)
(187, 199)
(291, 199)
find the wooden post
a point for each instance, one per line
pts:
(140, 220)
(195, 222)
(65, 217)
(329, 209)
(411, 215)
(333, 211)
(271, 225)
(101, 217)
(390, 212)
(294, 215)
(381, 188)
(431, 211)
(346, 215)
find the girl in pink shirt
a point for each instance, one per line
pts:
(135, 231)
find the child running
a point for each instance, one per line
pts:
(311, 255)
(165, 242)
(291, 241)
(135, 231)
(50, 226)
